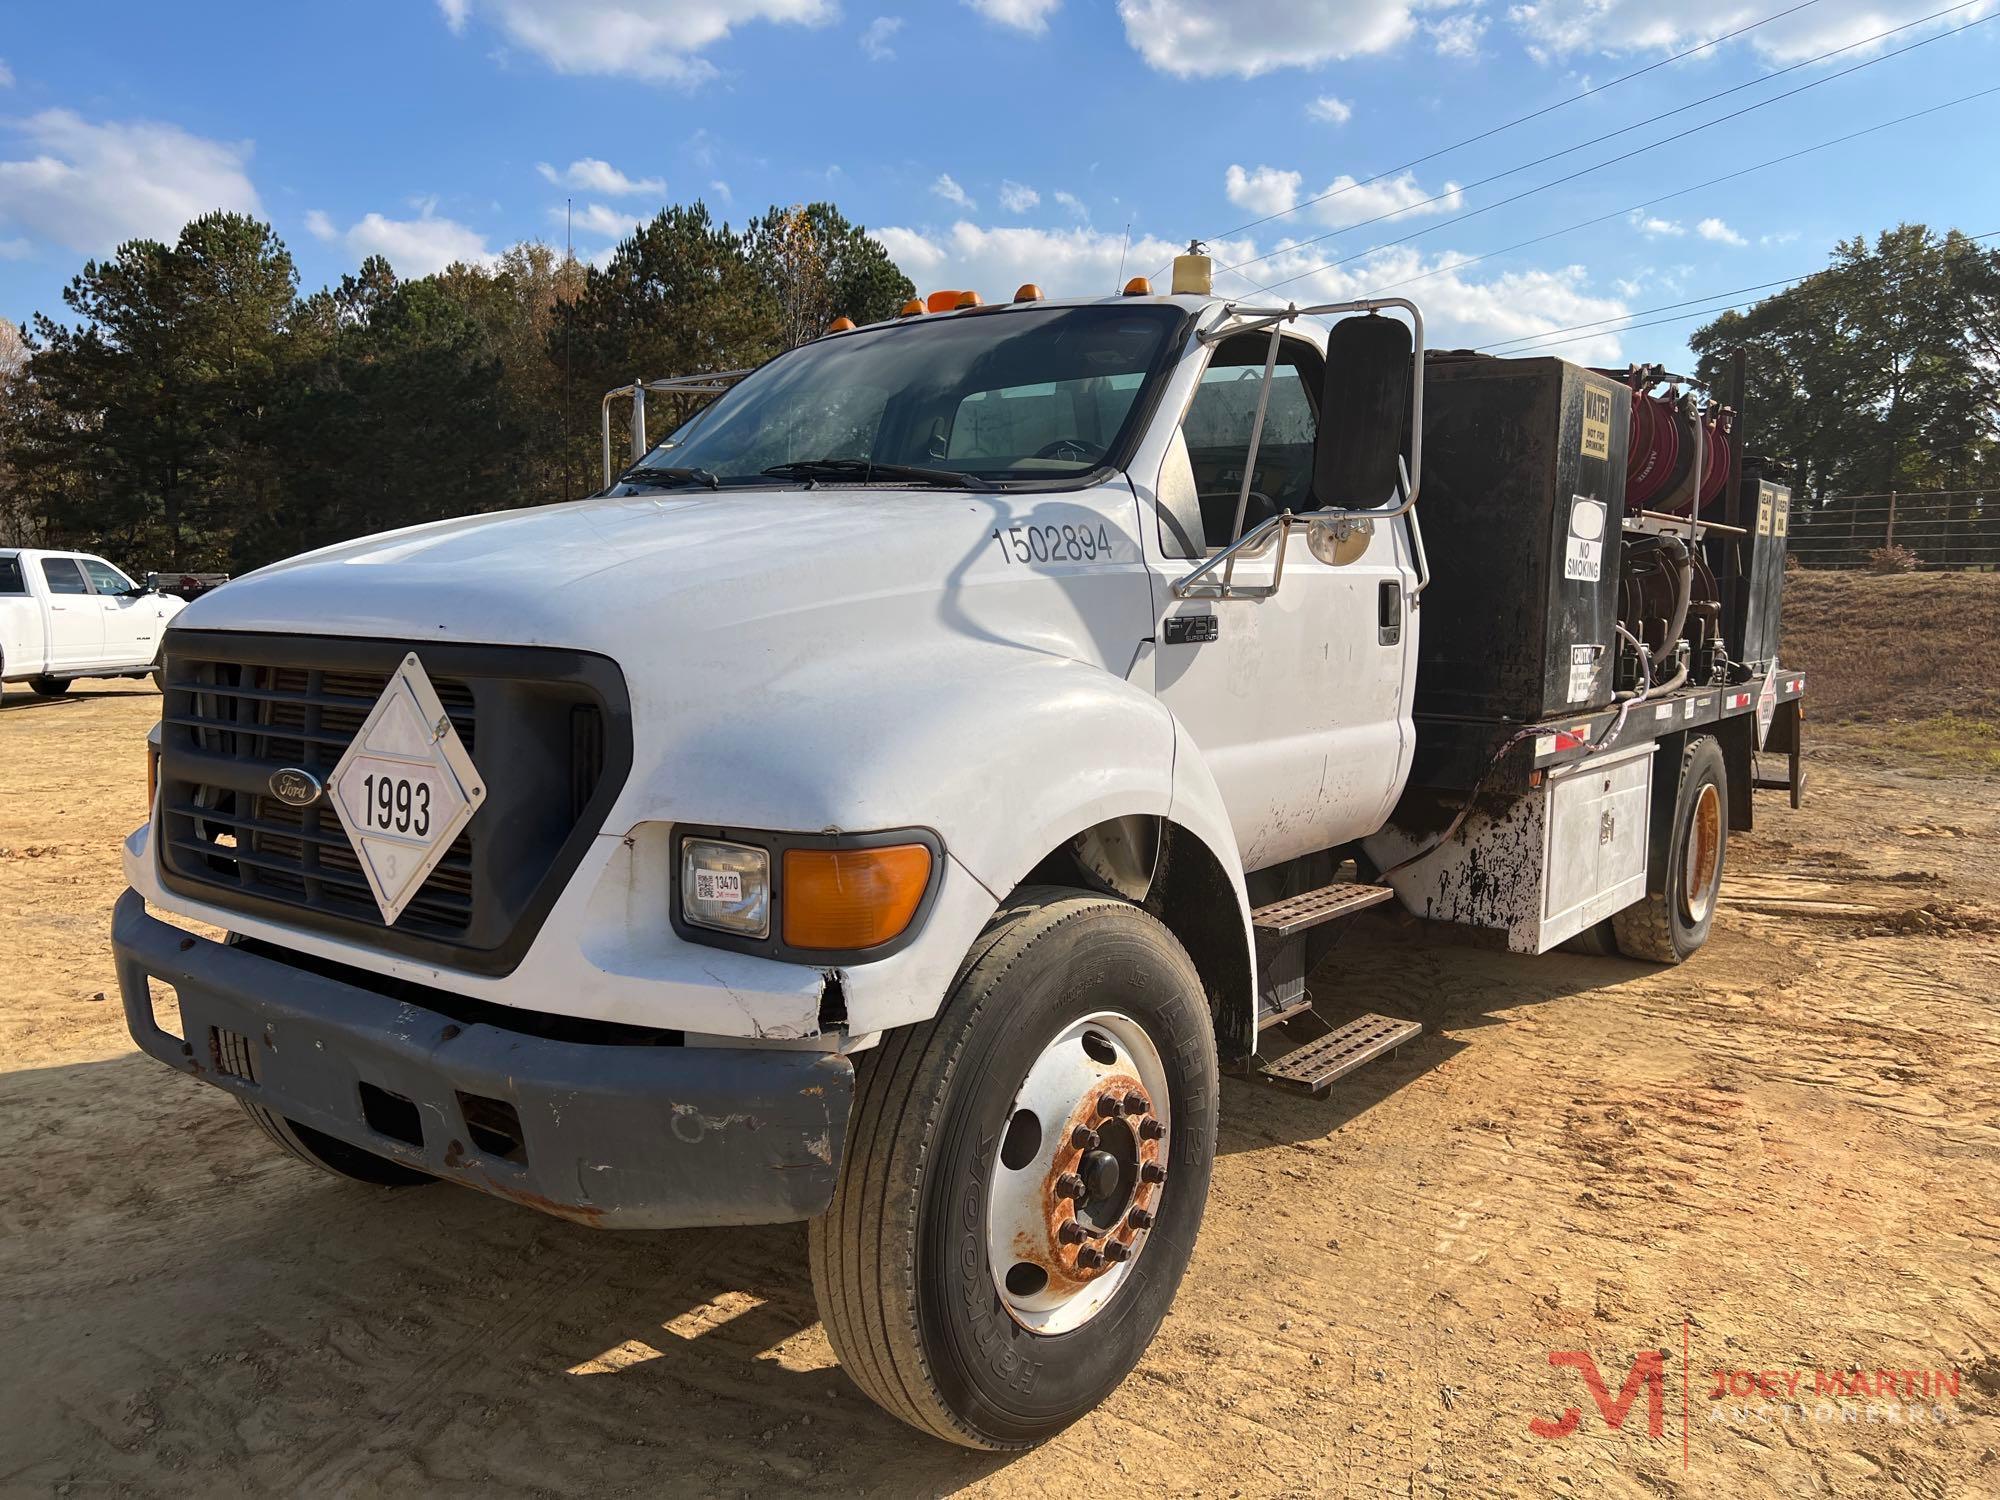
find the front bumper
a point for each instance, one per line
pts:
(611, 1135)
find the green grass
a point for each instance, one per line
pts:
(1951, 740)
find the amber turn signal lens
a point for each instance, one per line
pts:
(852, 898)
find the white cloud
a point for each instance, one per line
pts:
(1563, 28)
(88, 187)
(1073, 203)
(15, 249)
(1018, 197)
(1330, 111)
(1654, 228)
(1031, 16)
(596, 220)
(415, 247)
(877, 35)
(591, 175)
(1085, 262)
(1782, 237)
(1264, 191)
(1721, 233)
(1457, 35)
(1341, 202)
(947, 188)
(6, 75)
(721, 190)
(1206, 38)
(660, 41)
(1063, 262)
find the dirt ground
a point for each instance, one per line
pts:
(1783, 1156)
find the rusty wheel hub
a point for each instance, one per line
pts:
(1082, 1164)
(1700, 861)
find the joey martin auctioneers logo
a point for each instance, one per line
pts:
(1741, 1396)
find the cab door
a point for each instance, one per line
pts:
(1299, 701)
(131, 621)
(76, 620)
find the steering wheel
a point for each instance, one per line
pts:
(1076, 449)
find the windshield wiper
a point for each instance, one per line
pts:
(663, 478)
(866, 469)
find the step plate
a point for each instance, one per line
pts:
(1312, 1068)
(1295, 914)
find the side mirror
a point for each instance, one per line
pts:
(1363, 412)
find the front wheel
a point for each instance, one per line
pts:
(1024, 1176)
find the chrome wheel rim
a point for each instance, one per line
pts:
(1701, 865)
(1078, 1173)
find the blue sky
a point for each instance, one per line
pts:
(994, 141)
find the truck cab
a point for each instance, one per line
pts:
(65, 615)
(890, 803)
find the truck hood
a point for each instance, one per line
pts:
(742, 585)
(553, 575)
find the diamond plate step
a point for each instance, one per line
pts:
(1295, 914)
(1312, 1068)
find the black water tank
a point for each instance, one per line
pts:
(1523, 493)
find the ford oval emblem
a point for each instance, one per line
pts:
(296, 788)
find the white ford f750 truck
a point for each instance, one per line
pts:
(900, 795)
(65, 615)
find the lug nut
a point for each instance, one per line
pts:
(1117, 1250)
(1110, 1104)
(1151, 1129)
(1135, 1103)
(1070, 1186)
(1083, 1138)
(1152, 1171)
(1070, 1233)
(1139, 1218)
(1089, 1258)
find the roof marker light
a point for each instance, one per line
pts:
(840, 325)
(1028, 292)
(971, 299)
(911, 308)
(1138, 286)
(942, 301)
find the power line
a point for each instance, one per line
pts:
(1518, 120)
(1535, 342)
(1623, 156)
(1619, 213)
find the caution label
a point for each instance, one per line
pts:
(1596, 423)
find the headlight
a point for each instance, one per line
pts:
(726, 887)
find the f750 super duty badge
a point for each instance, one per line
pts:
(1037, 542)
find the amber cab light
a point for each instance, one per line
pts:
(850, 899)
(911, 308)
(1028, 292)
(942, 301)
(971, 299)
(840, 325)
(1138, 286)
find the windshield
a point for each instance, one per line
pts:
(1012, 395)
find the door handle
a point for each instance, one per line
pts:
(1389, 612)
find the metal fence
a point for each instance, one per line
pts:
(1942, 528)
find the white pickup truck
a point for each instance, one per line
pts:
(900, 795)
(65, 615)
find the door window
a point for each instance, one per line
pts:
(106, 579)
(64, 576)
(1218, 424)
(11, 581)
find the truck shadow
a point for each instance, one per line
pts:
(189, 1311)
(1397, 967)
